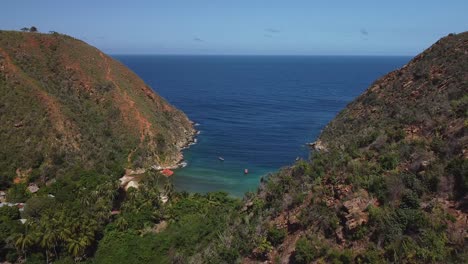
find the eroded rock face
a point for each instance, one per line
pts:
(355, 210)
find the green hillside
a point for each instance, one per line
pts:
(65, 106)
(387, 180)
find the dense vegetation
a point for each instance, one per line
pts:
(65, 105)
(72, 220)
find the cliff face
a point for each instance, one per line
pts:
(66, 105)
(387, 181)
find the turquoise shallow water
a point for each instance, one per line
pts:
(255, 111)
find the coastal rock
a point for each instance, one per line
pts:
(317, 146)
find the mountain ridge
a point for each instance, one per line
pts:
(82, 103)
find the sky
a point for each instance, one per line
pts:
(250, 27)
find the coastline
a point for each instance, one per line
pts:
(131, 177)
(189, 140)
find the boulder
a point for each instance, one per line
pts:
(355, 210)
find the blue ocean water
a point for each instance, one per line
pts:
(257, 112)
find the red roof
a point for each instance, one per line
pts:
(167, 172)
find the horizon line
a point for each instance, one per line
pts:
(262, 55)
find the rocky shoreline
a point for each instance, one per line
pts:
(188, 141)
(131, 179)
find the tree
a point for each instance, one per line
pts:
(33, 29)
(48, 235)
(24, 29)
(47, 241)
(35, 206)
(76, 247)
(23, 241)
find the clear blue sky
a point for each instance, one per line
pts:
(245, 27)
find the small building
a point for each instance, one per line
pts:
(33, 188)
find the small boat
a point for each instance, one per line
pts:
(221, 158)
(246, 171)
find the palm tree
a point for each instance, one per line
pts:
(48, 241)
(85, 199)
(64, 233)
(84, 231)
(76, 247)
(24, 241)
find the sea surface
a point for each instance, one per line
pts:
(257, 112)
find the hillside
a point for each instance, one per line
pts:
(387, 180)
(66, 107)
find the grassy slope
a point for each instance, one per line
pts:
(65, 104)
(390, 186)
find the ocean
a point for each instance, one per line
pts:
(256, 112)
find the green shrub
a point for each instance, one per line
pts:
(298, 198)
(36, 206)
(396, 134)
(11, 256)
(370, 256)
(264, 246)
(460, 106)
(18, 193)
(367, 138)
(359, 233)
(345, 256)
(410, 220)
(276, 235)
(378, 187)
(320, 216)
(228, 255)
(410, 200)
(459, 169)
(10, 213)
(433, 246)
(389, 161)
(305, 251)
